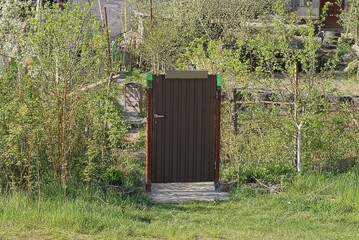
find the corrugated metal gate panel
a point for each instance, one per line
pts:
(331, 20)
(184, 139)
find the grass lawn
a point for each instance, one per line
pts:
(313, 206)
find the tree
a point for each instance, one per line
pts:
(62, 123)
(350, 21)
(177, 23)
(280, 57)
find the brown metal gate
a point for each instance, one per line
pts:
(332, 18)
(183, 128)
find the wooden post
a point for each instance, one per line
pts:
(149, 132)
(218, 134)
(218, 126)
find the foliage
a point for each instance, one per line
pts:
(257, 53)
(11, 14)
(257, 136)
(349, 18)
(59, 120)
(113, 176)
(177, 23)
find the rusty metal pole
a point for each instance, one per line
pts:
(218, 126)
(149, 132)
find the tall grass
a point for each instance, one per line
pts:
(312, 206)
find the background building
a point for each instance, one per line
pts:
(330, 22)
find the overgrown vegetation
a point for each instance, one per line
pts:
(350, 20)
(263, 147)
(62, 134)
(59, 118)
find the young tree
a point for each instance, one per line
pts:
(350, 21)
(174, 24)
(282, 57)
(63, 98)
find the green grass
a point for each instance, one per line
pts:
(313, 206)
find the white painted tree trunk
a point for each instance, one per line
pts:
(299, 128)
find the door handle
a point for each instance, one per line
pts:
(158, 116)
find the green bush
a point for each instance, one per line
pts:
(114, 176)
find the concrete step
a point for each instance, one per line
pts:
(180, 192)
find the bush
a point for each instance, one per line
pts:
(114, 176)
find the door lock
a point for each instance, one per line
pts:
(158, 116)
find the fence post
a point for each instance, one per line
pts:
(299, 127)
(218, 125)
(149, 131)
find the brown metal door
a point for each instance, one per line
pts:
(331, 21)
(183, 146)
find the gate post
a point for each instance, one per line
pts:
(149, 131)
(218, 125)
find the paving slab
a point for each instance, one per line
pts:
(180, 192)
